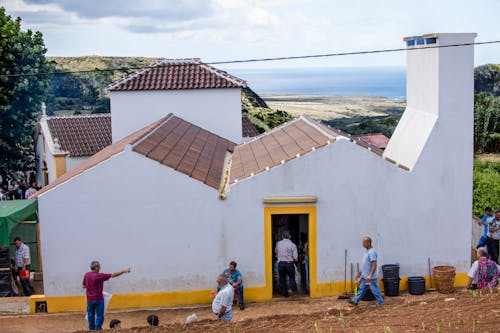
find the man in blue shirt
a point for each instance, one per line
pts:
(368, 274)
(487, 217)
(235, 279)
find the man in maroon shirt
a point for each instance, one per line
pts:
(93, 282)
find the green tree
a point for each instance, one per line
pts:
(20, 96)
(486, 123)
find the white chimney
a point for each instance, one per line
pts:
(440, 97)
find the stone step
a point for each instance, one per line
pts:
(14, 305)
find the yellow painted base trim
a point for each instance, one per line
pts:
(325, 289)
(123, 301)
(255, 294)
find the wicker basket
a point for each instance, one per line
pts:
(444, 277)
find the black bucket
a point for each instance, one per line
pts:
(368, 296)
(390, 271)
(416, 285)
(391, 287)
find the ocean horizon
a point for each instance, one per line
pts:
(387, 82)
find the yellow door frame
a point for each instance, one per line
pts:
(269, 252)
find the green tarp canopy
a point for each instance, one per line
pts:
(13, 212)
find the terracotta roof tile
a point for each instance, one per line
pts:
(280, 144)
(82, 135)
(247, 128)
(187, 148)
(101, 156)
(378, 140)
(177, 74)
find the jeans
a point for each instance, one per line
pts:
(95, 313)
(286, 269)
(493, 248)
(306, 265)
(239, 289)
(373, 285)
(28, 290)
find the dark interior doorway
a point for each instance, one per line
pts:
(298, 226)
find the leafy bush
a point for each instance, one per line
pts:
(486, 123)
(486, 186)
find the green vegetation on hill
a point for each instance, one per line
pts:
(85, 92)
(486, 186)
(487, 79)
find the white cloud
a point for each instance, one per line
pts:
(238, 29)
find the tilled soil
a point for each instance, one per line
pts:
(457, 312)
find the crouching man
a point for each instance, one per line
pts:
(223, 301)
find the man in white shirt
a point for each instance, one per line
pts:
(223, 301)
(286, 252)
(23, 262)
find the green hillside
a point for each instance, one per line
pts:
(85, 91)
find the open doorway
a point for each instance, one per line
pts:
(298, 226)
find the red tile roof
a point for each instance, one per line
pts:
(101, 156)
(82, 135)
(379, 140)
(176, 74)
(296, 138)
(247, 128)
(187, 148)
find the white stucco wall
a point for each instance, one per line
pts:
(216, 110)
(360, 194)
(177, 235)
(132, 211)
(44, 139)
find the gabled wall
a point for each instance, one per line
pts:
(132, 211)
(216, 110)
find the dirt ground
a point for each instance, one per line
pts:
(460, 311)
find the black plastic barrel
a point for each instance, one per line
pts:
(390, 271)
(368, 296)
(416, 285)
(391, 286)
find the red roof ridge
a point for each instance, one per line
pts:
(91, 115)
(180, 62)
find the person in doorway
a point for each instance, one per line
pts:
(368, 277)
(23, 262)
(483, 273)
(223, 301)
(286, 252)
(494, 236)
(115, 324)
(234, 277)
(93, 282)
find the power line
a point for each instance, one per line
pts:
(326, 55)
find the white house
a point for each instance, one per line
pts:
(197, 92)
(63, 142)
(178, 197)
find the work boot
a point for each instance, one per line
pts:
(351, 302)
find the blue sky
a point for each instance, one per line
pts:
(216, 30)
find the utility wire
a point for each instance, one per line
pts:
(258, 59)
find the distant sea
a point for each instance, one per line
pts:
(372, 81)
